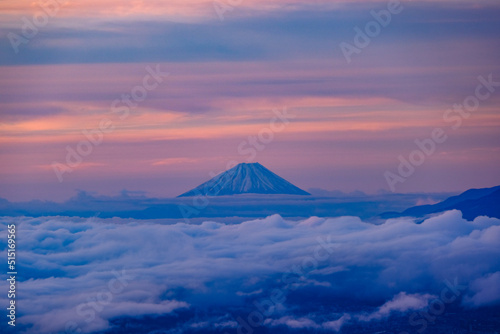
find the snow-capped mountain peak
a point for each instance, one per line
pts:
(246, 178)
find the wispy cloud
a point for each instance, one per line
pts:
(173, 161)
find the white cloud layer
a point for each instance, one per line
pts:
(84, 273)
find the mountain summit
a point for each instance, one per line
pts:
(246, 178)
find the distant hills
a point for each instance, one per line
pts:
(131, 205)
(251, 191)
(472, 203)
(246, 178)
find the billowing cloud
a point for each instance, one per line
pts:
(486, 290)
(90, 273)
(400, 303)
(293, 323)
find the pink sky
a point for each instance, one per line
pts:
(350, 121)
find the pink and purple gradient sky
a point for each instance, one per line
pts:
(351, 123)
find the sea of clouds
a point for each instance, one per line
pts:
(80, 275)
